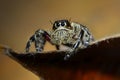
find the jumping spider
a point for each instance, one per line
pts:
(70, 34)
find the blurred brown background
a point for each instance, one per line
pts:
(20, 18)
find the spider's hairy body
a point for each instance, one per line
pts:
(70, 34)
(62, 36)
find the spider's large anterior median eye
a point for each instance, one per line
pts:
(63, 24)
(57, 24)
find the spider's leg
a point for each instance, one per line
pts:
(41, 37)
(75, 46)
(32, 39)
(39, 46)
(79, 40)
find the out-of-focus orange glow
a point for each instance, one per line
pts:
(93, 75)
(20, 18)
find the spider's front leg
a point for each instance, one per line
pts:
(75, 46)
(39, 38)
(32, 39)
(83, 41)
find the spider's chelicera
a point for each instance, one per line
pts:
(64, 33)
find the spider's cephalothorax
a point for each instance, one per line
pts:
(61, 23)
(64, 33)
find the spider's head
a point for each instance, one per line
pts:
(61, 23)
(62, 32)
